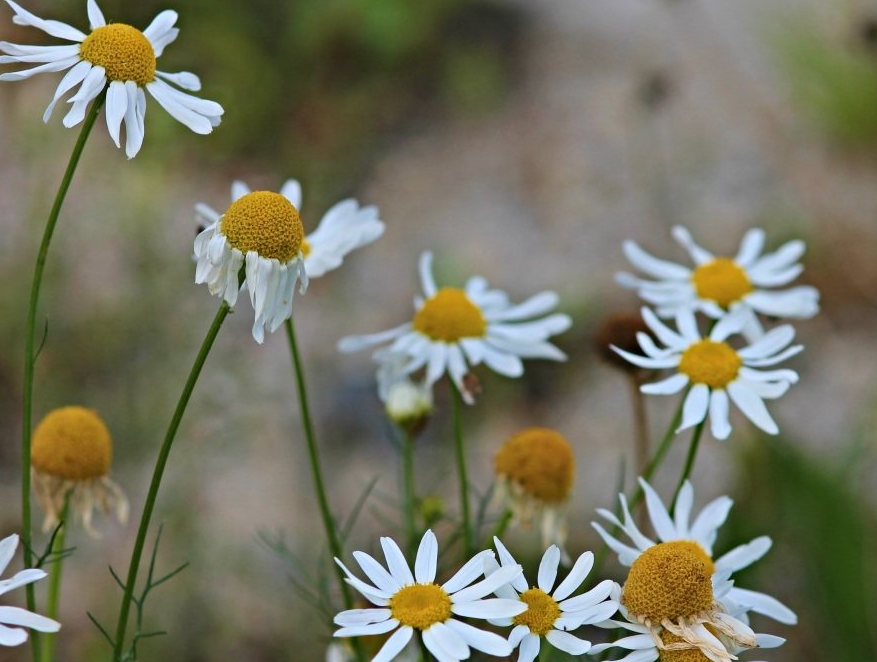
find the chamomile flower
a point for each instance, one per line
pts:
(676, 592)
(456, 328)
(407, 601)
(120, 59)
(534, 472)
(551, 613)
(719, 284)
(647, 644)
(715, 371)
(71, 453)
(15, 616)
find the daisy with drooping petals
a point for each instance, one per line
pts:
(535, 469)
(453, 327)
(719, 284)
(406, 602)
(16, 617)
(676, 592)
(71, 453)
(702, 531)
(344, 228)
(260, 232)
(117, 58)
(551, 613)
(664, 646)
(716, 371)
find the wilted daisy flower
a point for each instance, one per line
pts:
(15, 616)
(406, 602)
(534, 471)
(453, 326)
(676, 590)
(71, 453)
(551, 612)
(648, 645)
(703, 532)
(715, 370)
(117, 58)
(719, 284)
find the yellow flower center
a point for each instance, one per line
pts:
(712, 363)
(305, 247)
(692, 654)
(541, 461)
(542, 612)
(72, 443)
(672, 580)
(722, 280)
(449, 316)
(264, 222)
(421, 605)
(123, 51)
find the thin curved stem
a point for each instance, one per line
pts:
(689, 461)
(409, 497)
(29, 354)
(55, 580)
(460, 450)
(157, 473)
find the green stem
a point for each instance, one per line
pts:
(157, 473)
(501, 525)
(689, 461)
(459, 447)
(317, 473)
(55, 580)
(409, 498)
(29, 355)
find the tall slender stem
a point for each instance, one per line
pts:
(640, 433)
(689, 461)
(157, 473)
(409, 498)
(55, 580)
(29, 355)
(459, 447)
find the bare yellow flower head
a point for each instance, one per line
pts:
(71, 454)
(123, 51)
(721, 280)
(542, 612)
(669, 582)
(449, 316)
(541, 461)
(264, 222)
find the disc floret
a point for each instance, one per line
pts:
(715, 364)
(449, 316)
(542, 611)
(421, 606)
(123, 51)
(264, 222)
(721, 280)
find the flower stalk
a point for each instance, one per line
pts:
(460, 451)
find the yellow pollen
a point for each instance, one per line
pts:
(542, 612)
(722, 280)
(123, 51)
(72, 443)
(692, 654)
(421, 605)
(541, 461)
(449, 316)
(712, 363)
(264, 222)
(672, 581)
(305, 247)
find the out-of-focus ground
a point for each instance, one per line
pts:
(520, 140)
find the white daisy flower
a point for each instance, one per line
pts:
(406, 602)
(117, 58)
(454, 328)
(706, 595)
(719, 284)
(646, 645)
(16, 617)
(551, 612)
(715, 371)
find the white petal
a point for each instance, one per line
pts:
(750, 247)
(12, 636)
(663, 332)
(92, 85)
(376, 573)
(24, 54)
(95, 16)
(184, 79)
(548, 568)
(785, 255)
(646, 362)
(744, 555)
(394, 645)
(57, 65)
(381, 627)
(568, 643)
(652, 265)
(695, 407)
(362, 616)
(576, 576)
(798, 302)
(19, 616)
(70, 80)
(590, 598)
(720, 426)
(658, 514)
(7, 550)
(117, 106)
(470, 571)
(752, 407)
(160, 26)
(709, 520)
(519, 582)
(764, 604)
(427, 559)
(770, 343)
(168, 98)
(434, 646)
(682, 510)
(21, 578)
(396, 562)
(357, 343)
(448, 640)
(502, 363)
(489, 608)
(54, 28)
(537, 304)
(487, 585)
(486, 642)
(529, 648)
(684, 239)
(426, 279)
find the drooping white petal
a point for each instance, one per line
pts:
(683, 237)
(170, 100)
(54, 28)
(652, 265)
(117, 106)
(695, 407)
(394, 645)
(184, 79)
(720, 425)
(57, 65)
(568, 643)
(752, 407)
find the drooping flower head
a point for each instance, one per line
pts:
(455, 328)
(13, 620)
(676, 590)
(71, 454)
(716, 371)
(117, 58)
(717, 285)
(535, 469)
(551, 613)
(407, 601)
